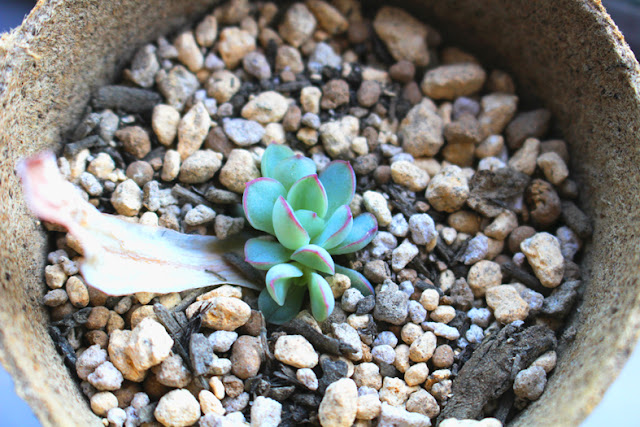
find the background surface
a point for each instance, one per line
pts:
(620, 405)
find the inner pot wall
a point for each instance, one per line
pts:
(566, 52)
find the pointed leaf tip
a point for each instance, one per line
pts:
(363, 231)
(288, 229)
(337, 228)
(279, 279)
(258, 200)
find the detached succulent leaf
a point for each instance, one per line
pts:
(339, 182)
(358, 281)
(273, 155)
(322, 300)
(336, 229)
(288, 229)
(308, 193)
(310, 221)
(279, 279)
(258, 200)
(264, 254)
(315, 257)
(291, 169)
(277, 314)
(364, 229)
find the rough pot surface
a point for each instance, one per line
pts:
(66, 49)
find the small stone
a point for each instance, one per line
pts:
(423, 231)
(323, 56)
(545, 257)
(222, 85)
(106, 377)
(97, 318)
(484, 275)
(101, 166)
(310, 99)
(116, 417)
(399, 226)
(296, 351)
(89, 360)
(177, 85)
(367, 375)
(200, 167)
(570, 243)
(404, 35)
(226, 226)
(491, 146)
(246, 357)
(422, 402)
(339, 283)
(465, 130)
(547, 361)
(193, 130)
(288, 58)
(243, 132)
(265, 412)
(479, 316)
(553, 167)
(223, 197)
(443, 314)
(297, 25)
(416, 375)
(475, 334)
(443, 356)
(506, 303)
(452, 81)
(395, 391)
(140, 172)
(430, 299)
(103, 402)
(403, 255)
(233, 45)
(477, 249)
(368, 406)
(55, 276)
(408, 174)
(397, 416)
(135, 141)
(144, 66)
(149, 344)
(529, 383)
(173, 372)
(77, 292)
(561, 299)
(402, 361)
(199, 215)
(170, 166)
(530, 124)
(222, 340)
(497, 111)
(421, 130)
(307, 377)
(376, 204)
(350, 299)
(178, 408)
(391, 307)
(206, 31)
(209, 403)
(502, 225)
(257, 65)
(127, 198)
(422, 349)
(368, 93)
(55, 298)
(339, 404)
(238, 170)
(265, 108)
(337, 136)
(448, 189)
(90, 184)
(402, 71)
(334, 94)
(329, 18)
(441, 330)
(224, 313)
(118, 341)
(383, 354)
(524, 160)
(188, 51)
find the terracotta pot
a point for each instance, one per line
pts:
(567, 53)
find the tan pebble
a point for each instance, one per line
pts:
(115, 322)
(422, 349)
(376, 204)
(411, 332)
(430, 299)
(448, 190)
(222, 291)
(102, 402)
(497, 111)
(408, 174)
(339, 405)
(423, 403)
(217, 387)
(452, 81)
(238, 170)
(368, 407)
(188, 51)
(421, 130)
(171, 165)
(209, 403)
(553, 167)
(367, 375)
(416, 374)
(401, 361)
(141, 313)
(200, 167)
(222, 85)
(404, 35)
(339, 283)
(310, 99)
(246, 357)
(288, 58)
(547, 361)
(459, 154)
(55, 276)
(329, 18)
(135, 141)
(193, 130)
(97, 318)
(265, 108)
(297, 25)
(149, 344)
(443, 314)
(127, 198)
(170, 300)
(395, 391)
(223, 313)
(543, 202)
(296, 351)
(173, 372)
(101, 166)
(506, 303)
(117, 344)
(443, 356)
(483, 276)
(206, 31)
(465, 222)
(524, 160)
(502, 225)
(491, 146)
(164, 121)
(234, 44)
(77, 291)
(545, 257)
(178, 408)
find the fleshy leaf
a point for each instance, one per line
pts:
(310, 221)
(288, 229)
(315, 257)
(291, 169)
(279, 279)
(264, 254)
(308, 193)
(322, 301)
(358, 281)
(276, 314)
(258, 200)
(337, 228)
(364, 229)
(273, 155)
(339, 182)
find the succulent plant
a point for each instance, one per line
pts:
(309, 216)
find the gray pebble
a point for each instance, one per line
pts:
(310, 120)
(402, 157)
(222, 197)
(474, 334)
(417, 313)
(243, 132)
(213, 63)
(382, 244)
(350, 299)
(529, 383)
(323, 56)
(235, 404)
(442, 330)
(477, 249)
(386, 338)
(561, 299)
(256, 64)
(399, 226)
(479, 316)
(389, 150)
(177, 85)
(406, 287)
(383, 354)
(569, 241)
(109, 122)
(464, 105)
(366, 304)
(199, 215)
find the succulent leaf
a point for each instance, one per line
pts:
(264, 254)
(315, 257)
(310, 221)
(277, 314)
(291, 169)
(258, 200)
(308, 193)
(273, 155)
(358, 281)
(279, 279)
(288, 229)
(364, 229)
(336, 229)
(322, 300)
(339, 182)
